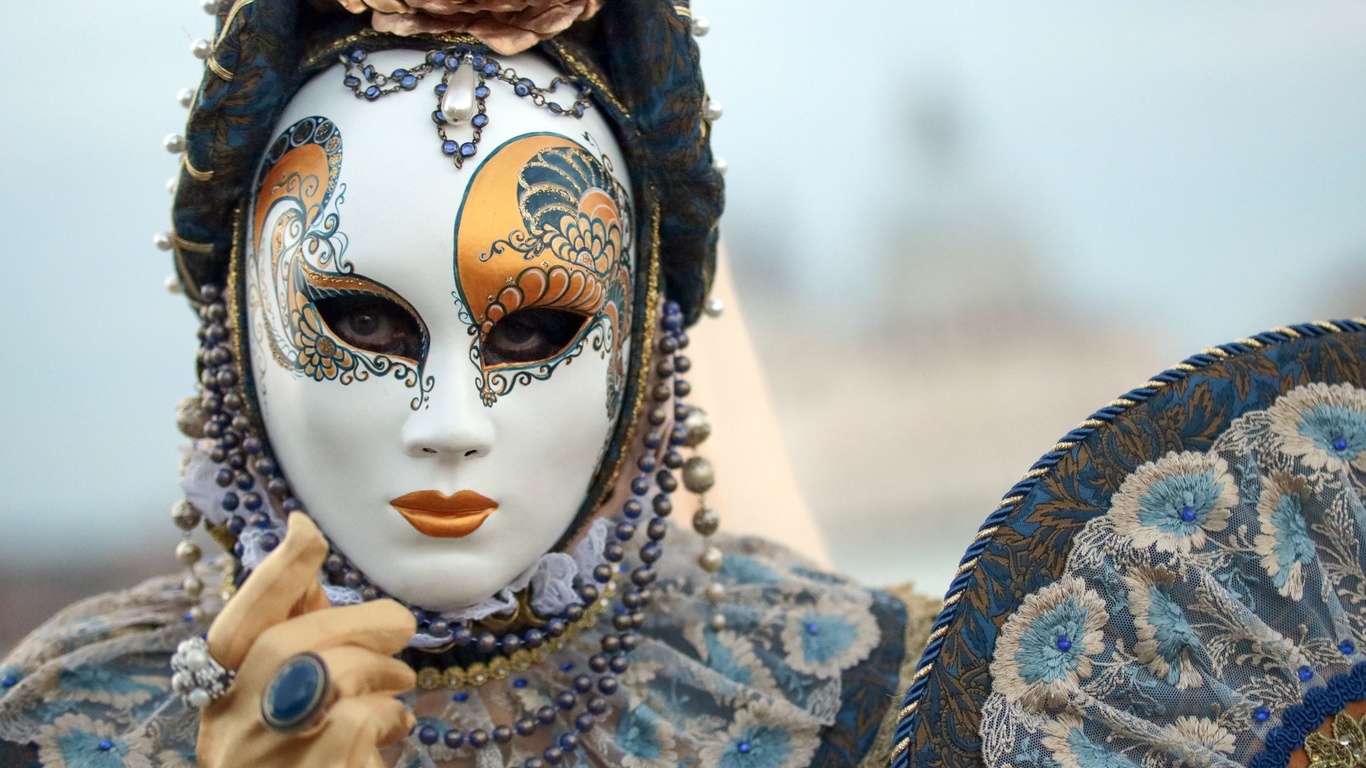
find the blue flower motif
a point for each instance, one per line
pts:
(739, 569)
(1324, 425)
(761, 738)
(645, 739)
(79, 741)
(1166, 642)
(108, 684)
(829, 637)
(733, 657)
(1175, 501)
(1085, 753)
(1284, 545)
(1047, 647)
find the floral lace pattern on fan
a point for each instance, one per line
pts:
(1221, 590)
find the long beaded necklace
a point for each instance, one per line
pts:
(483, 656)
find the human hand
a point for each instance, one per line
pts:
(281, 611)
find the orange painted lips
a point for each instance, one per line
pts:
(448, 517)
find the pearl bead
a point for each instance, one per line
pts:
(185, 97)
(720, 164)
(201, 48)
(714, 110)
(188, 552)
(718, 622)
(163, 240)
(199, 698)
(710, 559)
(700, 26)
(196, 659)
(190, 416)
(705, 521)
(197, 613)
(715, 592)
(714, 307)
(184, 514)
(174, 143)
(698, 475)
(697, 426)
(192, 586)
(171, 185)
(172, 285)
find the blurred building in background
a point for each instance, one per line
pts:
(957, 229)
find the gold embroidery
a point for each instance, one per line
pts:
(1346, 748)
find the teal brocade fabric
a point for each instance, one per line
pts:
(803, 675)
(1024, 545)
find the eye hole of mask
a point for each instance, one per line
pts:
(531, 334)
(374, 324)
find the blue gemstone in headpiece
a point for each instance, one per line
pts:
(437, 57)
(467, 149)
(372, 92)
(408, 82)
(490, 68)
(440, 89)
(477, 61)
(521, 89)
(452, 62)
(358, 55)
(449, 147)
(480, 120)
(481, 92)
(351, 81)
(437, 117)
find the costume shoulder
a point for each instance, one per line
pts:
(806, 668)
(91, 686)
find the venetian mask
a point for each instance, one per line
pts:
(439, 352)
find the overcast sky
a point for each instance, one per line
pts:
(1197, 167)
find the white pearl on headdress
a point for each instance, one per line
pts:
(185, 97)
(700, 26)
(162, 240)
(174, 143)
(199, 698)
(714, 110)
(714, 307)
(720, 164)
(458, 103)
(171, 185)
(201, 48)
(173, 285)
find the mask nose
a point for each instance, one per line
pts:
(453, 423)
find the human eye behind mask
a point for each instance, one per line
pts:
(373, 324)
(531, 335)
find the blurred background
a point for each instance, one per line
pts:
(957, 229)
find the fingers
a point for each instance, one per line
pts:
(357, 727)
(285, 580)
(358, 672)
(382, 626)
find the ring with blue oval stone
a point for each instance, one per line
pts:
(296, 694)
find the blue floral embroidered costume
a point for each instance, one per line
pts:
(806, 673)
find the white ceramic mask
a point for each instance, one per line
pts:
(439, 353)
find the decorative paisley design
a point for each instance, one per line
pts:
(304, 261)
(546, 224)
